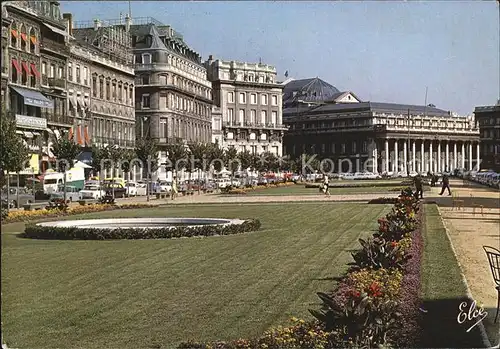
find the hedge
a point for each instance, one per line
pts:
(34, 231)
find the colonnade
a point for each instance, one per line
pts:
(422, 156)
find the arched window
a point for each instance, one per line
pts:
(14, 35)
(33, 40)
(24, 37)
(15, 70)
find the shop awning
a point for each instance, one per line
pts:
(19, 132)
(56, 30)
(16, 65)
(80, 103)
(28, 134)
(34, 98)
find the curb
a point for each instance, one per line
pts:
(486, 341)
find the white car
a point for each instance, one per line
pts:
(131, 189)
(91, 191)
(222, 183)
(165, 186)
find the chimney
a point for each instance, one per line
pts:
(128, 21)
(97, 24)
(69, 20)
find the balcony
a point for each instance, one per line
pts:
(250, 125)
(57, 83)
(63, 120)
(113, 141)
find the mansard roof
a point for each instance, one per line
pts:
(313, 90)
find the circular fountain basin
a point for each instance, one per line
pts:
(140, 223)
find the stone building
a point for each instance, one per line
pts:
(36, 34)
(250, 101)
(378, 137)
(6, 22)
(101, 81)
(488, 118)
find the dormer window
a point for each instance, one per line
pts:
(146, 58)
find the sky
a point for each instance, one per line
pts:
(383, 51)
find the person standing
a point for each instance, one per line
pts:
(174, 188)
(418, 187)
(326, 189)
(445, 184)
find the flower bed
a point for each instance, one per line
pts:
(26, 216)
(374, 305)
(379, 201)
(243, 191)
(33, 231)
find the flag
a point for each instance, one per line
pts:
(286, 73)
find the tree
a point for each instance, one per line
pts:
(147, 152)
(270, 161)
(198, 161)
(215, 156)
(245, 158)
(13, 152)
(128, 157)
(115, 155)
(65, 151)
(177, 155)
(231, 162)
(99, 157)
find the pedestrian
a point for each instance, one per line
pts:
(326, 189)
(174, 188)
(445, 184)
(418, 187)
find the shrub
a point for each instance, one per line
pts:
(384, 201)
(378, 253)
(238, 191)
(34, 231)
(4, 212)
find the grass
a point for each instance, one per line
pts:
(443, 290)
(156, 293)
(302, 190)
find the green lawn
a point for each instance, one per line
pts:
(443, 289)
(155, 293)
(302, 190)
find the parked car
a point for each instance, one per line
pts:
(116, 188)
(165, 186)
(92, 191)
(24, 198)
(72, 193)
(131, 188)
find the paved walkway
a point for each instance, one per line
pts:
(470, 231)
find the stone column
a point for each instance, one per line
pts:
(470, 157)
(455, 155)
(422, 156)
(405, 157)
(396, 156)
(447, 157)
(463, 155)
(413, 152)
(386, 155)
(438, 167)
(375, 158)
(478, 161)
(431, 163)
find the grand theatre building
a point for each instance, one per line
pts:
(378, 137)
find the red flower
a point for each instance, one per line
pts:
(374, 289)
(394, 244)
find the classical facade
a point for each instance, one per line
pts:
(6, 22)
(250, 102)
(488, 118)
(102, 83)
(380, 137)
(36, 35)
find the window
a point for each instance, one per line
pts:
(108, 90)
(101, 88)
(354, 147)
(263, 117)
(242, 116)
(342, 148)
(163, 128)
(70, 72)
(94, 86)
(365, 146)
(253, 116)
(264, 99)
(333, 148)
(163, 101)
(23, 38)
(230, 115)
(230, 97)
(146, 58)
(33, 80)
(275, 100)
(114, 91)
(85, 76)
(274, 117)
(253, 98)
(14, 34)
(131, 95)
(145, 79)
(32, 40)
(78, 74)
(146, 101)
(243, 97)
(59, 72)
(52, 71)
(44, 68)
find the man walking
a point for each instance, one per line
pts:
(418, 187)
(445, 184)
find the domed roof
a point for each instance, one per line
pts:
(309, 90)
